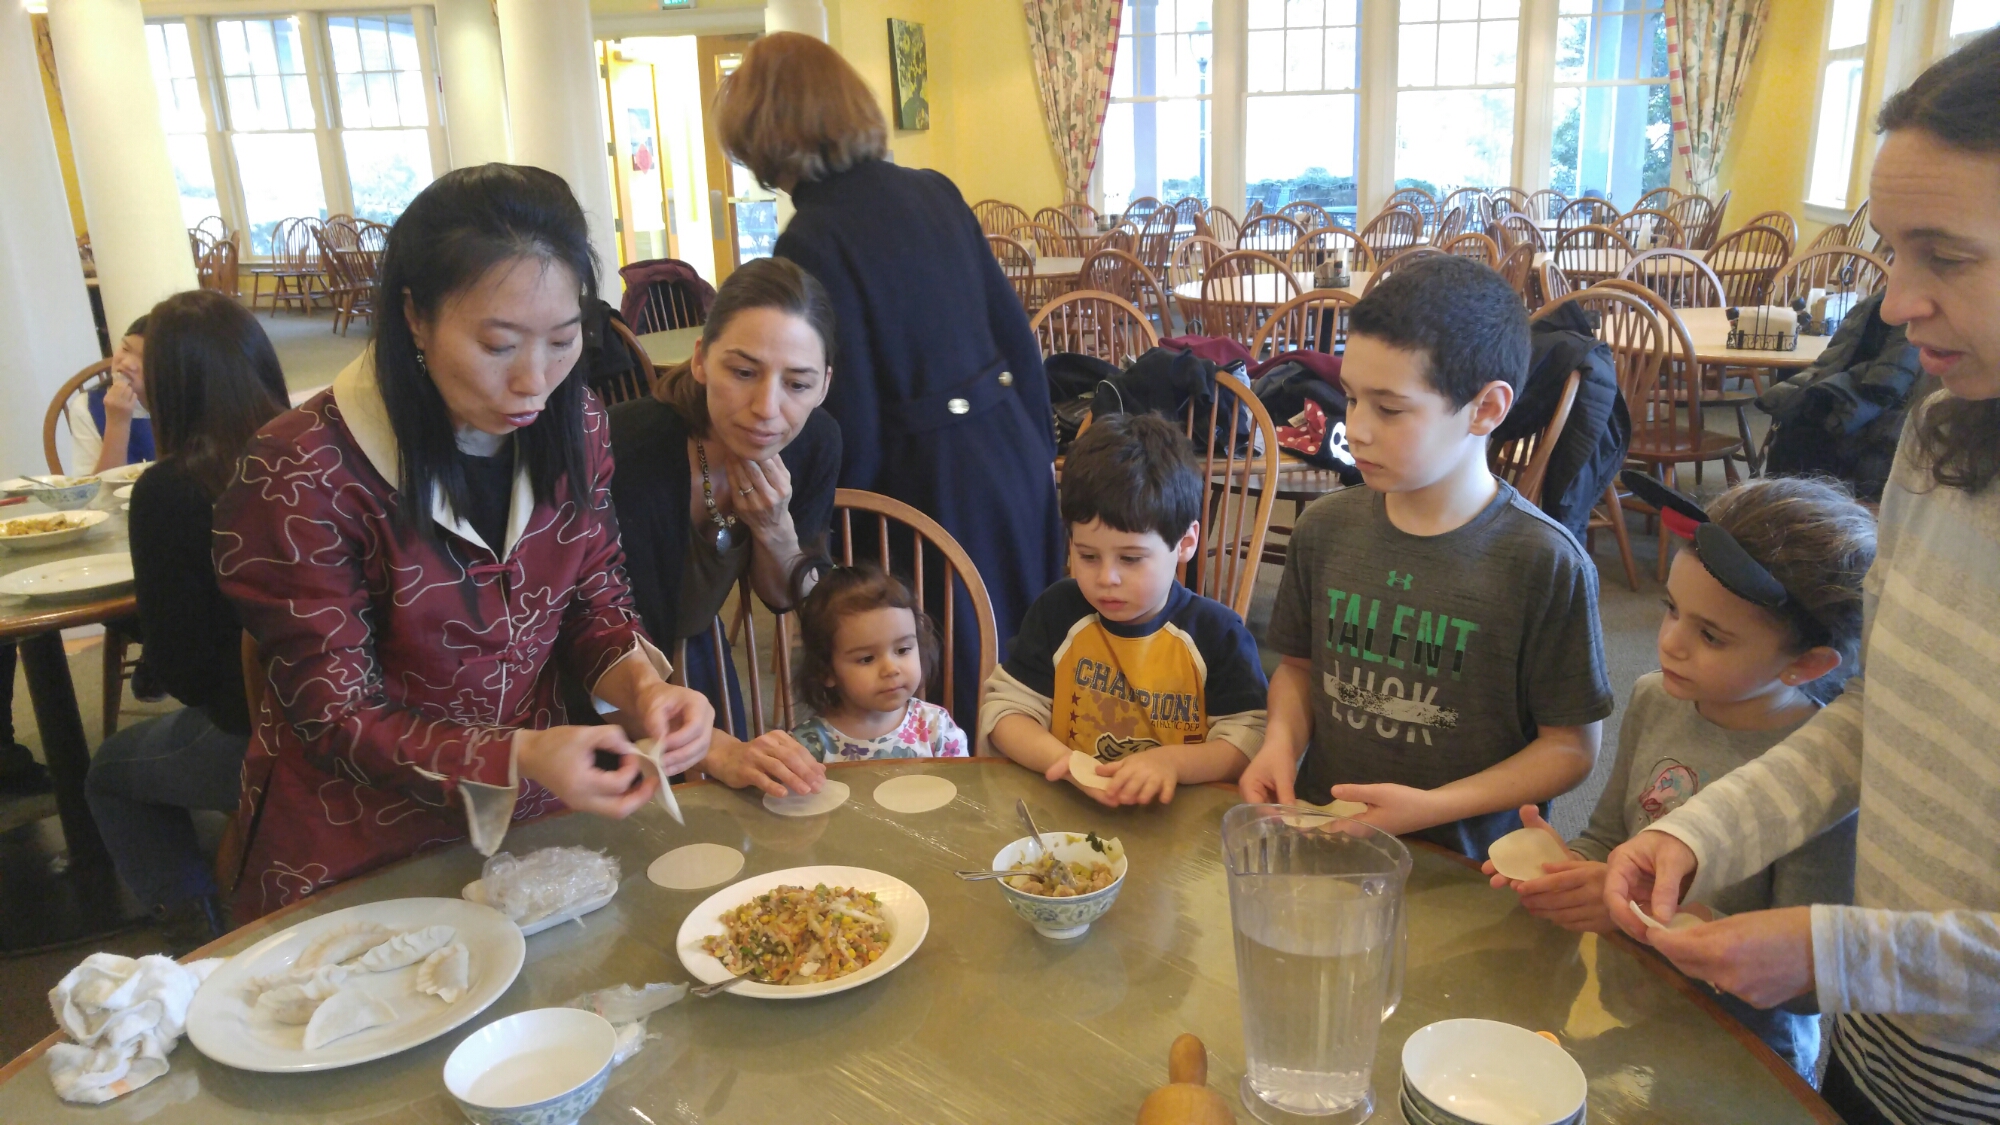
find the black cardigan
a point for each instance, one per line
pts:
(194, 642)
(650, 489)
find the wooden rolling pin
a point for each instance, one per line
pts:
(1187, 1100)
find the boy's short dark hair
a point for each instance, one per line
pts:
(1464, 317)
(1134, 472)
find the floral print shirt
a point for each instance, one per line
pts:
(927, 731)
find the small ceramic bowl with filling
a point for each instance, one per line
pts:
(1062, 917)
(64, 493)
(547, 1066)
(1485, 1072)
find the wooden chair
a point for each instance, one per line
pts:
(1309, 215)
(1746, 260)
(1122, 236)
(1509, 199)
(1585, 212)
(1382, 272)
(1094, 323)
(1236, 514)
(1518, 267)
(1319, 246)
(1068, 241)
(1156, 239)
(1476, 246)
(1222, 226)
(1081, 215)
(296, 271)
(1713, 229)
(1236, 298)
(1659, 199)
(1647, 229)
(1188, 209)
(1780, 221)
(737, 638)
(1545, 204)
(637, 381)
(1858, 231)
(1551, 283)
(1120, 274)
(1310, 322)
(1712, 378)
(1512, 230)
(1638, 346)
(1467, 199)
(1272, 234)
(1044, 238)
(1450, 226)
(916, 537)
(1188, 265)
(996, 217)
(1830, 238)
(670, 305)
(1019, 266)
(1393, 231)
(216, 267)
(1415, 199)
(1678, 277)
(234, 847)
(1524, 461)
(1255, 209)
(348, 284)
(1589, 254)
(1141, 209)
(82, 383)
(1842, 269)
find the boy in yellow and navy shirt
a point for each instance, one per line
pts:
(1161, 686)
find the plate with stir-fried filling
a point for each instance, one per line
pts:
(804, 931)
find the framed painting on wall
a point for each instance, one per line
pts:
(912, 74)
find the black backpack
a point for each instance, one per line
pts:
(1593, 443)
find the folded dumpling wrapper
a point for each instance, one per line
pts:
(344, 1013)
(406, 949)
(1519, 854)
(446, 973)
(1682, 919)
(341, 943)
(258, 986)
(649, 752)
(1083, 771)
(296, 1003)
(1331, 808)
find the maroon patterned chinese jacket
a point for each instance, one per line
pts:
(399, 670)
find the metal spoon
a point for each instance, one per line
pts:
(707, 990)
(1028, 818)
(976, 876)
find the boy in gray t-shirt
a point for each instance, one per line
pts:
(1442, 661)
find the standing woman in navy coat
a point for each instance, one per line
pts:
(940, 394)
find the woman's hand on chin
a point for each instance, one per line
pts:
(681, 720)
(774, 762)
(763, 498)
(563, 760)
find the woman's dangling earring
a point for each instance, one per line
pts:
(421, 364)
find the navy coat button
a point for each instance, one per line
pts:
(958, 406)
(1006, 378)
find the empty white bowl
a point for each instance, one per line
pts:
(1060, 918)
(1493, 1073)
(542, 1067)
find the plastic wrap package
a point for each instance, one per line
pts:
(626, 1009)
(547, 882)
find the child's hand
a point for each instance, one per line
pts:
(1395, 809)
(1571, 895)
(1060, 770)
(1267, 780)
(1141, 778)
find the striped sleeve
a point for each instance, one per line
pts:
(1764, 809)
(1907, 962)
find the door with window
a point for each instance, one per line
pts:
(743, 215)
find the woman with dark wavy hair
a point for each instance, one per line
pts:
(1912, 969)
(418, 549)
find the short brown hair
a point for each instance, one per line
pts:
(845, 591)
(761, 283)
(1136, 473)
(796, 112)
(1818, 542)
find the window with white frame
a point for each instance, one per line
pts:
(183, 118)
(1970, 17)
(1456, 78)
(384, 117)
(270, 123)
(1303, 105)
(1613, 124)
(1156, 129)
(1842, 71)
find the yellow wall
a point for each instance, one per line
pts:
(1770, 149)
(53, 95)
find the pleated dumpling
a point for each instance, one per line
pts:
(341, 943)
(258, 986)
(297, 1002)
(446, 973)
(344, 1013)
(406, 948)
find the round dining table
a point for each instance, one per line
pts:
(987, 1023)
(70, 893)
(1264, 290)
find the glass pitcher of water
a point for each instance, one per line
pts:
(1317, 905)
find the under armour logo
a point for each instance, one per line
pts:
(1403, 581)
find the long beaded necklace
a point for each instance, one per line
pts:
(723, 536)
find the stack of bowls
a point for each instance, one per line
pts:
(1482, 1072)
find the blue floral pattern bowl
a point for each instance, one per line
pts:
(1062, 918)
(545, 1067)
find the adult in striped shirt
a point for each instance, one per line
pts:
(1913, 967)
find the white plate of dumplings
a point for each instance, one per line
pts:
(356, 985)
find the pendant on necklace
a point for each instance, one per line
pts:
(723, 535)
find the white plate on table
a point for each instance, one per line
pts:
(475, 892)
(70, 578)
(909, 921)
(223, 1022)
(79, 523)
(124, 474)
(123, 492)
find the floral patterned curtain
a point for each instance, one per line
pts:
(1710, 44)
(1074, 43)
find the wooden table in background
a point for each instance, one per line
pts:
(670, 347)
(1264, 289)
(987, 1023)
(1709, 329)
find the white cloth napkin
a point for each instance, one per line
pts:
(126, 1016)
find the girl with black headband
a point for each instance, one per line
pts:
(1762, 624)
